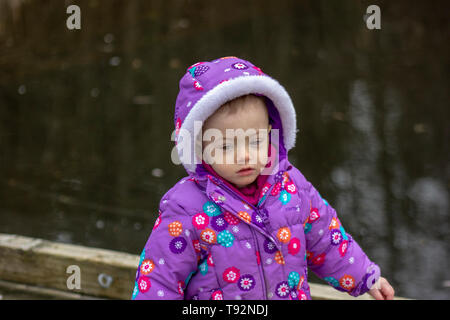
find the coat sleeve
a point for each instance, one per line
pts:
(332, 254)
(169, 257)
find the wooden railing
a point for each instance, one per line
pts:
(33, 268)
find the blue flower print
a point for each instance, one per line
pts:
(188, 278)
(285, 197)
(344, 235)
(225, 238)
(332, 281)
(324, 201)
(135, 291)
(142, 257)
(203, 267)
(211, 209)
(307, 227)
(262, 199)
(293, 279)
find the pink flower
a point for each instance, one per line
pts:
(200, 220)
(217, 295)
(144, 284)
(319, 259)
(196, 245)
(157, 222)
(231, 275)
(180, 287)
(276, 189)
(294, 246)
(210, 261)
(302, 295)
(290, 187)
(314, 215)
(264, 189)
(343, 248)
(231, 219)
(197, 86)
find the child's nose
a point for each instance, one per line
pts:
(243, 154)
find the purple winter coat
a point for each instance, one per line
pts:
(209, 243)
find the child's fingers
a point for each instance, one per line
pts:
(376, 294)
(388, 291)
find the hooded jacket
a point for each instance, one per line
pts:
(210, 242)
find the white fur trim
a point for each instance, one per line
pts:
(232, 89)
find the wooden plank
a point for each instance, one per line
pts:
(19, 291)
(35, 267)
(44, 263)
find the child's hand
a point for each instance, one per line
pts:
(382, 290)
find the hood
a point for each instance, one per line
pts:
(206, 86)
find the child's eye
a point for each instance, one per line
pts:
(226, 147)
(256, 142)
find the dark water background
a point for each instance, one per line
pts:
(86, 117)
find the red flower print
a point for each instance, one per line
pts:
(343, 248)
(347, 282)
(196, 245)
(157, 222)
(200, 220)
(143, 284)
(231, 275)
(290, 187)
(175, 228)
(177, 126)
(197, 86)
(264, 189)
(319, 259)
(276, 189)
(302, 295)
(180, 287)
(231, 219)
(217, 295)
(147, 266)
(314, 215)
(210, 261)
(309, 255)
(258, 257)
(258, 69)
(294, 246)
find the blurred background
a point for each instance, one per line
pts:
(86, 117)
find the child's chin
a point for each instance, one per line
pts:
(244, 181)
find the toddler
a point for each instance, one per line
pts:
(244, 223)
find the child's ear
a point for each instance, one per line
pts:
(270, 127)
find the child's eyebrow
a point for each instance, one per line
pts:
(251, 135)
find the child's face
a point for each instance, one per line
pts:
(248, 150)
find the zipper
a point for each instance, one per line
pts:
(261, 271)
(260, 212)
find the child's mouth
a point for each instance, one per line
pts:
(245, 171)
